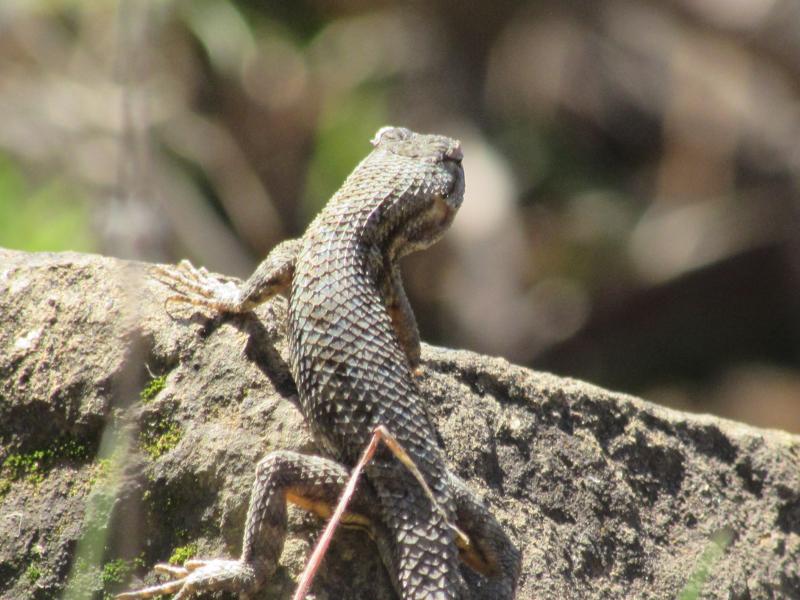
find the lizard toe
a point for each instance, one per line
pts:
(198, 576)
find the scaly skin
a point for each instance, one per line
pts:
(354, 348)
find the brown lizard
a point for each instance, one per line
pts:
(354, 348)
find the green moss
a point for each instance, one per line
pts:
(159, 433)
(100, 471)
(715, 549)
(33, 573)
(33, 466)
(183, 553)
(153, 387)
(116, 572)
(159, 438)
(30, 466)
(69, 447)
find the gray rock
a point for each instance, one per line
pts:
(131, 427)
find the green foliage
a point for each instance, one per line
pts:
(341, 143)
(33, 573)
(52, 216)
(223, 32)
(33, 466)
(100, 471)
(713, 552)
(159, 438)
(116, 572)
(183, 553)
(159, 434)
(152, 389)
(30, 467)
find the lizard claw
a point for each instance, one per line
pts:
(200, 576)
(196, 286)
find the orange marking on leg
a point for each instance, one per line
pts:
(325, 540)
(379, 434)
(474, 559)
(319, 508)
(324, 510)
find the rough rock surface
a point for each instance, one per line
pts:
(130, 432)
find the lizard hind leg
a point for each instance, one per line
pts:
(200, 576)
(311, 482)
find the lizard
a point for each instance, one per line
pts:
(355, 353)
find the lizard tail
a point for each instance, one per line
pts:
(424, 554)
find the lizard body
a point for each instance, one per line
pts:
(354, 347)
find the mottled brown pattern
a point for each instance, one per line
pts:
(354, 345)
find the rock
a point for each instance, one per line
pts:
(131, 427)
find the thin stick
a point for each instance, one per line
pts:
(324, 541)
(380, 434)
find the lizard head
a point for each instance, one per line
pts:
(427, 187)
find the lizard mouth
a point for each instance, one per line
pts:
(455, 195)
(445, 206)
(443, 211)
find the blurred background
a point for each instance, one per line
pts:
(632, 205)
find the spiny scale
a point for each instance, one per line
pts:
(354, 345)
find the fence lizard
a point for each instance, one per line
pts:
(354, 348)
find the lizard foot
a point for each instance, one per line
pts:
(200, 576)
(196, 286)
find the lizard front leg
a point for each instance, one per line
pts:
(196, 286)
(311, 482)
(401, 314)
